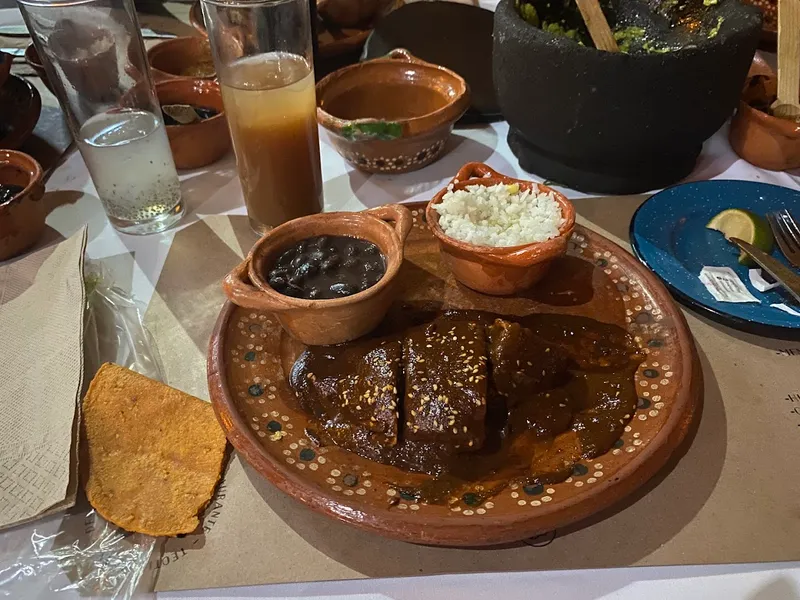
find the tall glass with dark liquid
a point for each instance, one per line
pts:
(263, 55)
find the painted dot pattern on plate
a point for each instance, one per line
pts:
(266, 402)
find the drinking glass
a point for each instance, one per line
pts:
(93, 54)
(263, 56)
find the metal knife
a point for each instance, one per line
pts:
(780, 272)
(22, 30)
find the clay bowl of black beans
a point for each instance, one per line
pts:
(328, 278)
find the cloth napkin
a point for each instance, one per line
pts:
(41, 376)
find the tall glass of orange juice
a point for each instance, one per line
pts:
(263, 57)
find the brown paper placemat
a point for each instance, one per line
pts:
(733, 497)
(41, 370)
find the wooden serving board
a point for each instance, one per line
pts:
(249, 358)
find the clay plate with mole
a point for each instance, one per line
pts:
(250, 358)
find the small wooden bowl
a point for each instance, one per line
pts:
(171, 59)
(758, 137)
(499, 271)
(22, 217)
(324, 322)
(393, 114)
(20, 107)
(197, 144)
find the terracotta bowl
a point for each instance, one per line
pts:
(506, 270)
(5, 67)
(22, 217)
(393, 114)
(758, 137)
(324, 322)
(20, 106)
(176, 58)
(196, 144)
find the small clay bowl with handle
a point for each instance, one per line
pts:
(758, 137)
(392, 114)
(324, 322)
(22, 217)
(182, 57)
(201, 143)
(504, 270)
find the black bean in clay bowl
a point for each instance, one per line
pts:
(327, 278)
(326, 267)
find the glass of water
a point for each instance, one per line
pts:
(94, 56)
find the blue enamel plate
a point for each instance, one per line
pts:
(668, 234)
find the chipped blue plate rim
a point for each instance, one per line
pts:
(668, 234)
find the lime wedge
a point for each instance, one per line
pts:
(745, 225)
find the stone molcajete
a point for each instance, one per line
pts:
(619, 122)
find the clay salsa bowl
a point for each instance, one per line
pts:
(201, 143)
(499, 271)
(392, 114)
(758, 137)
(22, 217)
(178, 57)
(324, 322)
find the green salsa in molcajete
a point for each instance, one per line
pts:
(672, 25)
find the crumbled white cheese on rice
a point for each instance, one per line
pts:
(499, 215)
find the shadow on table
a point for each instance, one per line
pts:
(206, 191)
(625, 535)
(776, 340)
(781, 588)
(193, 296)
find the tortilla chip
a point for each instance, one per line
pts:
(154, 453)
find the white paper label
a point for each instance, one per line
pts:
(724, 284)
(757, 281)
(787, 309)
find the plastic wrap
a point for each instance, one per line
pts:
(79, 554)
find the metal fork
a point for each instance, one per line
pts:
(786, 233)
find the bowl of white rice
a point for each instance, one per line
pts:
(499, 235)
